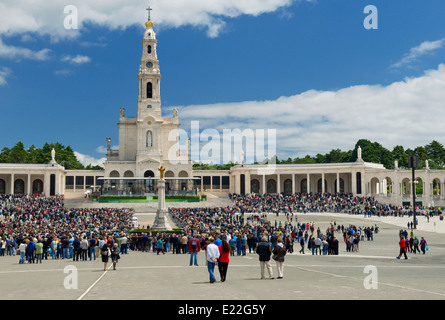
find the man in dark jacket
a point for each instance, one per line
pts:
(264, 251)
(31, 251)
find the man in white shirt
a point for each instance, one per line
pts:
(212, 258)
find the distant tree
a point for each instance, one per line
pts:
(18, 153)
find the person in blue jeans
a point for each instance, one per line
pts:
(92, 248)
(212, 258)
(22, 249)
(30, 251)
(194, 248)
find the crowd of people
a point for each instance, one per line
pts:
(322, 202)
(41, 227)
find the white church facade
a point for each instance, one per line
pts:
(149, 140)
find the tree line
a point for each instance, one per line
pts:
(374, 152)
(64, 155)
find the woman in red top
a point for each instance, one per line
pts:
(223, 261)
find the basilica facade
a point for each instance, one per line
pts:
(149, 140)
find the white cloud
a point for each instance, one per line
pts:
(47, 17)
(4, 73)
(79, 59)
(408, 113)
(415, 53)
(14, 52)
(86, 159)
(63, 72)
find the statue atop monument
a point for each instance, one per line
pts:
(161, 171)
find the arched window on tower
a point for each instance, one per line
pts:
(149, 90)
(149, 49)
(149, 139)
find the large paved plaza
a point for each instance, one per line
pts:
(149, 276)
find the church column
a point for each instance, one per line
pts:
(322, 184)
(293, 183)
(354, 183)
(338, 182)
(263, 186)
(46, 184)
(308, 183)
(12, 184)
(247, 182)
(278, 183)
(237, 183)
(28, 185)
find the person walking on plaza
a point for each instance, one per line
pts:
(212, 258)
(416, 245)
(264, 252)
(279, 251)
(302, 245)
(223, 261)
(115, 255)
(104, 251)
(194, 248)
(423, 245)
(402, 246)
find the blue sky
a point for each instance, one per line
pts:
(308, 69)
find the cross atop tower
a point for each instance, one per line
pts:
(149, 9)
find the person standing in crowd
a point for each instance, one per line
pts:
(31, 250)
(279, 251)
(22, 249)
(76, 249)
(124, 244)
(84, 249)
(39, 251)
(264, 252)
(223, 261)
(232, 243)
(194, 248)
(184, 242)
(92, 247)
(160, 246)
(212, 258)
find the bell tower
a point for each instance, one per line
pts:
(149, 76)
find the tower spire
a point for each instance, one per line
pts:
(149, 23)
(149, 9)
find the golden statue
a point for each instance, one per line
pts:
(162, 170)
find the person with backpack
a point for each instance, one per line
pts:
(194, 248)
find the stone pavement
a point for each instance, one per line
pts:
(373, 273)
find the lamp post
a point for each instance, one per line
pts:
(412, 163)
